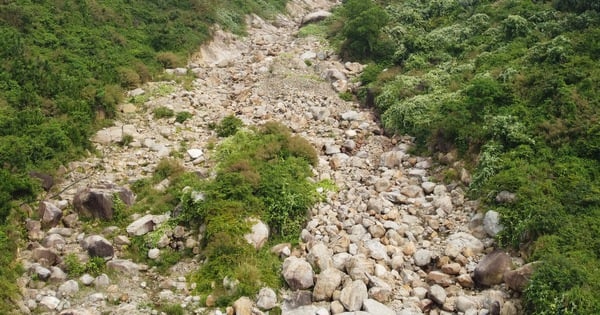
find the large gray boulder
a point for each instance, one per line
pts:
(491, 268)
(99, 202)
(98, 246)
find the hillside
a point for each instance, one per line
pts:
(65, 68)
(511, 87)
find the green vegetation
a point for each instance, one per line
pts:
(512, 86)
(163, 112)
(228, 126)
(262, 173)
(65, 66)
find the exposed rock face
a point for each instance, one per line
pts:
(491, 268)
(98, 202)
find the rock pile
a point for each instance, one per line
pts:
(392, 240)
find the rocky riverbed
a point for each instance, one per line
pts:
(393, 239)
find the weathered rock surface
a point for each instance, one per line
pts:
(491, 268)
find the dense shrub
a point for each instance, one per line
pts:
(513, 87)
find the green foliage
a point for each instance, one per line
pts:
(75, 268)
(362, 28)
(512, 86)
(262, 173)
(163, 112)
(65, 66)
(181, 117)
(228, 126)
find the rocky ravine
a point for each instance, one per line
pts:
(390, 241)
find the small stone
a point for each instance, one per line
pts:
(437, 294)
(422, 257)
(86, 279)
(153, 253)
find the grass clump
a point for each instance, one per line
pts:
(163, 112)
(181, 117)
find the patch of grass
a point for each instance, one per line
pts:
(163, 112)
(313, 29)
(182, 117)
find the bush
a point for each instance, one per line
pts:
(183, 116)
(169, 60)
(163, 112)
(228, 126)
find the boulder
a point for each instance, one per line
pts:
(517, 279)
(491, 223)
(422, 257)
(53, 241)
(490, 270)
(42, 273)
(45, 256)
(314, 17)
(259, 234)
(49, 303)
(123, 265)
(49, 213)
(506, 197)
(98, 246)
(373, 307)
(69, 288)
(46, 180)
(243, 306)
(353, 295)
(142, 225)
(327, 282)
(320, 256)
(266, 299)
(99, 202)
(462, 241)
(298, 273)
(437, 294)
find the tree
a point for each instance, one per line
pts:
(364, 20)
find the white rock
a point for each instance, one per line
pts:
(422, 257)
(376, 308)
(298, 273)
(195, 153)
(259, 234)
(491, 223)
(69, 288)
(267, 299)
(437, 294)
(153, 253)
(49, 303)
